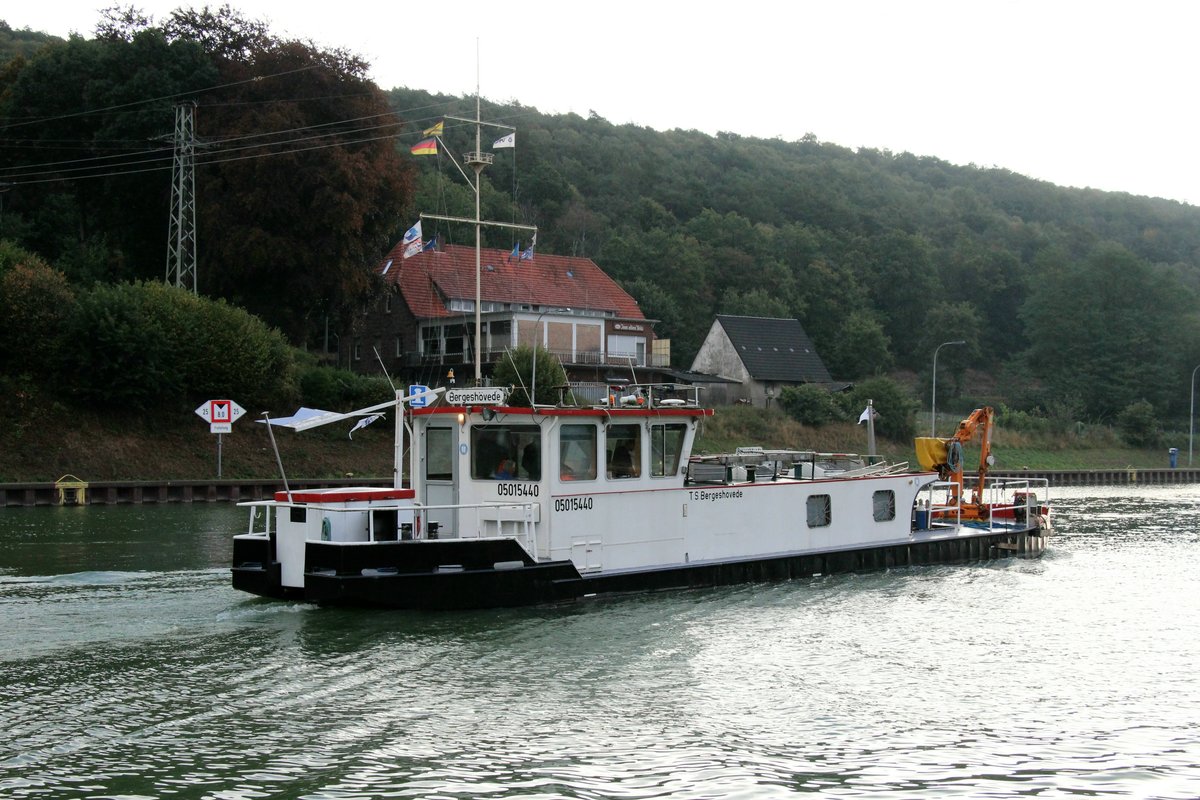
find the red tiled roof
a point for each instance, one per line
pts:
(428, 280)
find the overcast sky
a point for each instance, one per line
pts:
(1093, 94)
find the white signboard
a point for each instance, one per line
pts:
(220, 415)
(478, 396)
(421, 395)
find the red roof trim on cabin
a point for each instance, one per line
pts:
(657, 411)
(347, 494)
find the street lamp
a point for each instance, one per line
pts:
(536, 328)
(1192, 417)
(933, 395)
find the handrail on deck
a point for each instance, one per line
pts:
(526, 536)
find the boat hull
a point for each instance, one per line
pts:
(464, 574)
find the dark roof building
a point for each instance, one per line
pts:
(760, 355)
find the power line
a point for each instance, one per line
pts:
(174, 96)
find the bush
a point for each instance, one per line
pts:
(895, 405)
(516, 372)
(1138, 425)
(36, 305)
(339, 389)
(809, 405)
(149, 345)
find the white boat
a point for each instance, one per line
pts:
(515, 505)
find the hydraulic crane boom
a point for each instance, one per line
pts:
(946, 456)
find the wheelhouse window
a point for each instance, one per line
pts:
(439, 454)
(577, 452)
(666, 446)
(623, 447)
(820, 511)
(884, 505)
(506, 453)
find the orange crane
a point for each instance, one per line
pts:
(946, 456)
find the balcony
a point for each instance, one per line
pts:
(582, 358)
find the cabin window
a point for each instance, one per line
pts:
(820, 512)
(439, 454)
(884, 504)
(506, 453)
(298, 514)
(624, 450)
(577, 452)
(666, 445)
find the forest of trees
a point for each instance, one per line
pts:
(1080, 300)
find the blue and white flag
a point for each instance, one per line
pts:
(509, 140)
(527, 255)
(364, 422)
(412, 240)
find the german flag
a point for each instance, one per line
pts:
(425, 147)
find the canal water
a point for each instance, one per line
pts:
(129, 669)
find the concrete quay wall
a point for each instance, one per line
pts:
(102, 493)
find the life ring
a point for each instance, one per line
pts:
(954, 456)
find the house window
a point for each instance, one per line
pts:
(666, 445)
(454, 340)
(624, 451)
(431, 340)
(627, 349)
(387, 303)
(820, 512)
(884, 505)
(399, 347)
(357, 350)
(577, 452)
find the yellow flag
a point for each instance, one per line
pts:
(436, 130)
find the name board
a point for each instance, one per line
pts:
(626, 326)
(478, 396)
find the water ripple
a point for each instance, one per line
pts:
(1077, 674)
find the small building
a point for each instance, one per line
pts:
(424, 324)
(759, 356)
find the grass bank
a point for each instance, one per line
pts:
(1091, 447)
(45, 442)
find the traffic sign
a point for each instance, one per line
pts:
(421, 395)
(220, 415)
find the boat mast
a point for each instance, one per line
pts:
(477, 159)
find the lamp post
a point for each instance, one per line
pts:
(933, 395)
(1192, 416)
(537, 325)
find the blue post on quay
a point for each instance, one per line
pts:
(1173, 454)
